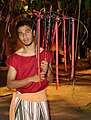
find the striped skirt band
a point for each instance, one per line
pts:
(25, 110)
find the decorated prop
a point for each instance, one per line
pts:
(50, 34)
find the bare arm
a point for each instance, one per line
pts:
(50, 75)
(12, 83)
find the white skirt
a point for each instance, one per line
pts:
(25, 110)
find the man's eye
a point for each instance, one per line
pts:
(28, 31)
(20, 34)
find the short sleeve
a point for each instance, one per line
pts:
(11, 61)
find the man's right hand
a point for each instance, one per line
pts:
(35, 77)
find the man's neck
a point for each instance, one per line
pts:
(29, 49)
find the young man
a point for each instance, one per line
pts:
(29, 102)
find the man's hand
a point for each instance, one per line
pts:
(44, 67)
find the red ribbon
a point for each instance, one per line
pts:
(37, 13)
(65, 59)
(39, 49)
(54, 35)
(73, 49)
(56, 26)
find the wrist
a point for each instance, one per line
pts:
(34, 78)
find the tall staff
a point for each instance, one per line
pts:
(77, 29)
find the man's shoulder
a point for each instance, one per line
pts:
(15, 54)
(18, 51)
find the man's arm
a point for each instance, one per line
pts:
(50, 75)
(12, 83)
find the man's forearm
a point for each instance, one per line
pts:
(12, 84)
(50, 75)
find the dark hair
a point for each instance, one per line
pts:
(24, 22)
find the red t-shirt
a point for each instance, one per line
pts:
(26, 66)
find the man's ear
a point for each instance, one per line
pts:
(33, 33)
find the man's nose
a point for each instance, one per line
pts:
(24, 35)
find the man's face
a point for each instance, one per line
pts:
(25, 35)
